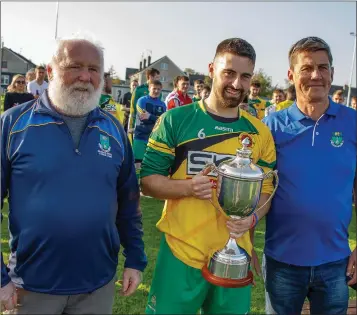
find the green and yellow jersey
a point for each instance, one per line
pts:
(260, 105)
(183, 140)
(107, 103)
(284, 104)
(196, 98)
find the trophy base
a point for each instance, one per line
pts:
(225, 282)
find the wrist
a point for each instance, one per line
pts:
(188, 191)
(255, 220)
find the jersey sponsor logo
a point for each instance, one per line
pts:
(104, 146)
(110, 108)
(220, 128)
(337, 139)
(197, 160)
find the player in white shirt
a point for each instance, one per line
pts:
(39, 85)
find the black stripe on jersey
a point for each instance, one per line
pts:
(199, 145)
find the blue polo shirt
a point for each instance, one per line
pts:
(307, 224)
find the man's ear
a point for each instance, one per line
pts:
(49, 72)
(332, 73)
(291, 76)
(210, 70)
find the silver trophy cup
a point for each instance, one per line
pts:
(239, 185)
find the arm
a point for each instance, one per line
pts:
(145, 116)
(132, 116)
(7, 102)
(158, 159)
(29, 88)
(5, 177)
(172, 103)
(129, 217)
(162, 187)
(126, 100)
(352, 262)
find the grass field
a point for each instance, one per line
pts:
(151, 212)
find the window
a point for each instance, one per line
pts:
(5, 79)
(163, 79)
(164, 66)
(4, 64)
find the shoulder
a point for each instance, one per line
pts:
(256, 124)
(111, 124)
(277, 119)
(11, 116)
(141, 87)
(143, 99)
(346, 115)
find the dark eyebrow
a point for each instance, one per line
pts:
(229, 69)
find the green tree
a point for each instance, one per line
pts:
(266, 88)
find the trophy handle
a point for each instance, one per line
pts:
(211, 166)
(267, 175)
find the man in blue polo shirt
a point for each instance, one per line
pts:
(307, 251)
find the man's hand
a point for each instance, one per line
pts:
(239, 226)
(131, 280)
(201, 185)
(351, 268)
(131, 130)
(254, 265)
(8, 297)
(145, 115)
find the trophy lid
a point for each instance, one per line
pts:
(241, 167)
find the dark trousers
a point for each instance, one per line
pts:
(325, 286)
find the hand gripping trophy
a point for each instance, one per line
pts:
(239, 185)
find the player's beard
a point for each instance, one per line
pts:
(76, 100)
(229, 100)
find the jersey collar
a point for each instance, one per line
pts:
(296, 115)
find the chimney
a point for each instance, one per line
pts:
(141, 66)
(144, 63)
(149, 60)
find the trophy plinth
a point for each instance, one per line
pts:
(239, 184)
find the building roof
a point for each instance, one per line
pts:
(334, 88)
(129, 72)
(194, 77)
(157, 62)
(21, 57)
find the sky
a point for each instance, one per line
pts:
(187, 32)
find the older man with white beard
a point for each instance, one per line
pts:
(68, 170)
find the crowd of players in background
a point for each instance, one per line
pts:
(143, 104)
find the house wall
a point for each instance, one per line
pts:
(14, 63)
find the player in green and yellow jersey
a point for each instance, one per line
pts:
(106, 100)
(290, 98)
(254, 100)
(183, 140)
(152, 75)
(198, 86)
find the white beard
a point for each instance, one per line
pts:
(70, 100)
